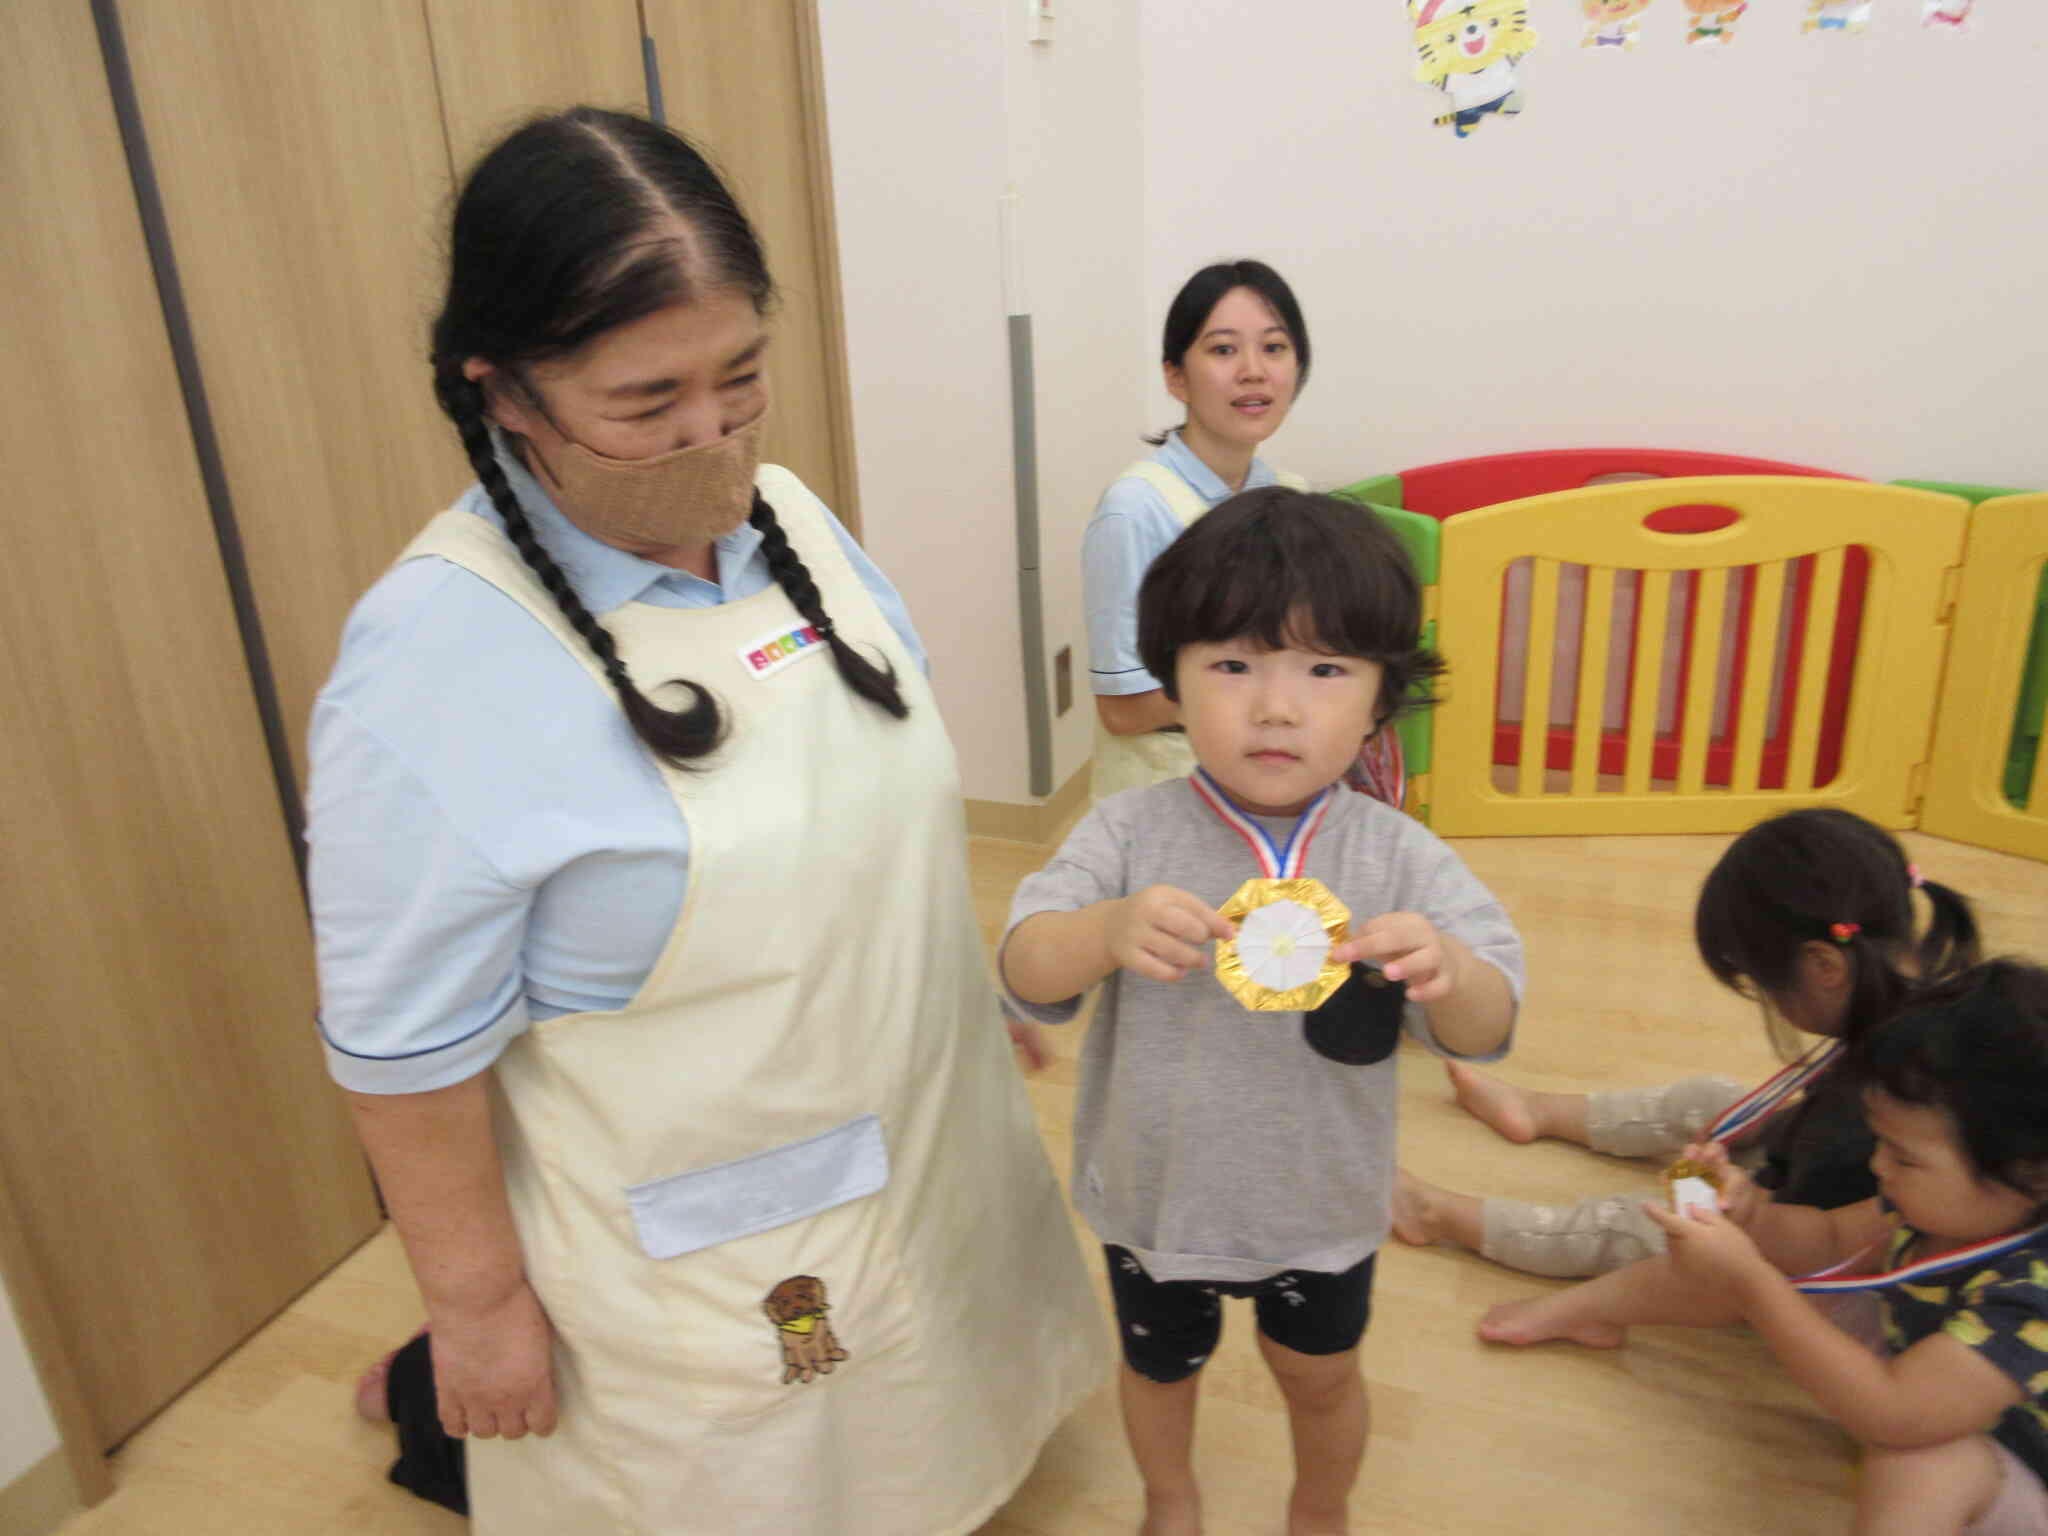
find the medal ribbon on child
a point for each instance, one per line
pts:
(1280, 862)
(1827, 1281)
(1744, 1116)
(1287, 923)
(1774, 1094)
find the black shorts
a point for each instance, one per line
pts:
(1170, 1327)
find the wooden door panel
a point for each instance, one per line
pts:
(305, 179)
(180, 1164)
(738, 78)
(501, 61)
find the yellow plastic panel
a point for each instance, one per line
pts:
(1914, 537)
(1994, 616)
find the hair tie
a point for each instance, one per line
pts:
(1842, 933)
(1913, 874)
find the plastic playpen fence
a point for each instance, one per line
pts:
(1750, 594)
(1988, 783)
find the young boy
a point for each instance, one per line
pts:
(1222, 1150)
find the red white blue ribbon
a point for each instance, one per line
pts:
(1774, 1094)
(1279, 861)
(1828, 1281)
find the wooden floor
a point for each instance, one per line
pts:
(1680, 1432)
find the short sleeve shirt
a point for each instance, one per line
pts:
(490, 843)
(1998, 1309)
(1132, 524)
(1212, 1140)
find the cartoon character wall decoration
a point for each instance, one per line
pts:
(1469, 50)
(1612, 23)
(1947, 15)
(1712, 22)
(1837, 15)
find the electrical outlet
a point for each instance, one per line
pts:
(1063, 680)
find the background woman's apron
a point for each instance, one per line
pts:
(811, 1096)
(1132, 762)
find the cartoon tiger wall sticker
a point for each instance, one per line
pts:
(1469, 50)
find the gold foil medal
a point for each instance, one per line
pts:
(1691, 1186)
(1279, 962)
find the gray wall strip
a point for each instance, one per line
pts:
(652, 64)
(1030, 601)
(178, 325)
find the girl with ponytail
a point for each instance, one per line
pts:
(647, 958)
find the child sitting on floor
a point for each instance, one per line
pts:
(1813, 914)
(1240, 1141)
(1953, 1413)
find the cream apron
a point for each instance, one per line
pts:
(811, 1100)
(1132, 762)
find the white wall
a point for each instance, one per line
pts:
(1819, 249)
(1824, 249)
(1076, 160)
(914, 104)
(28, 1433)
(937, 110)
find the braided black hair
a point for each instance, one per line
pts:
(678, 736)
(875, 684)
(565, 230)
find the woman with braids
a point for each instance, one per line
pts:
(648, 962)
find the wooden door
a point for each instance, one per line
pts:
(501, 61)
(179, 1164)
(740, 77)
(305, 179)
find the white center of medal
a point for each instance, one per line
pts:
(1282, 945)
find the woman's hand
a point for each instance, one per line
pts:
(1159, 932)
(493, 1368)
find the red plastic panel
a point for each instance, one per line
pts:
(1460, 485)
(1699, 517)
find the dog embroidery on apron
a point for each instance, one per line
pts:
(797, 1308)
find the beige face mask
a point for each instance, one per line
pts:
(690, 496)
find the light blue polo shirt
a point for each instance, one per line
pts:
(490, 843)
(1132, 524)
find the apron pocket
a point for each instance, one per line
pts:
(708, 1206)
(777, 1273)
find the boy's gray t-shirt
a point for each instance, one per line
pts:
(1212, 1140)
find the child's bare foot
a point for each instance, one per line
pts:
(1414, 1209)
(1500, 1105)
(1539, 1319)
(1426, 1213)
(1172, 1516)
(371, 1401)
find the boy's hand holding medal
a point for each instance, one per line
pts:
(1159, 932)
